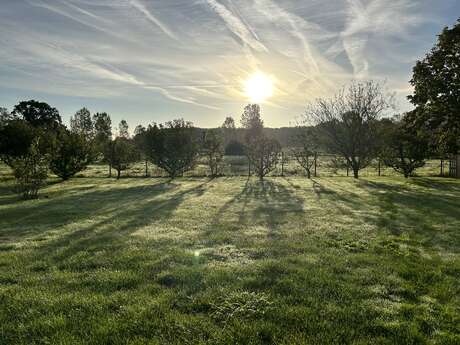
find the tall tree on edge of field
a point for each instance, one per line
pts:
(436, 81)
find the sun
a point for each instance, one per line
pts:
(259, 87)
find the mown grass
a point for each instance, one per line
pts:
(231, 261)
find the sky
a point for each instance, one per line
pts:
(155, 60)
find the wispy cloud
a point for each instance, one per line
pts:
(192, 56)
(138, 5)
(378, 17)
(237, 26)
(63, 11)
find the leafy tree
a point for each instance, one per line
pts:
(140, 140)
(403, 150)
(173, 146)
(73, 153)
(103, 136)
(263, 155)
(123, 129)
(38, 114)
(261, 151)
(82, 124)
(31, 170)
(25, 149)
(349, 122)
(16, 138)
(304, 147)
(213, 150)
(436, 81)
(229, 130)
(102, 129)
(252, 123)
(122, 154)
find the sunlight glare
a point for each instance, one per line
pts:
(259, 87)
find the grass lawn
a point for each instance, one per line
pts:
(232, 261)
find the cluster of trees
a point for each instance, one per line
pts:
(34, 141)
(352, 125)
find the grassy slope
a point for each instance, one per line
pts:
(232, 261)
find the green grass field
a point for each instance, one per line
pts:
(231, 261)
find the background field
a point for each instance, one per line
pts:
(238, 166)
(231, 261)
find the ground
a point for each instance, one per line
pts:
(231, 261)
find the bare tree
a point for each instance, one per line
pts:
(348, 121)
(304, 147)
(263, 155)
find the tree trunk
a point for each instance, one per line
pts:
(110, 170)
(308, 174)
(355, 172)
(118, 174)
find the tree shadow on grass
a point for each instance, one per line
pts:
(264, 202)
(405, 208)
(128, 207)
(112, 230)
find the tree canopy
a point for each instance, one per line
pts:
(436, 81)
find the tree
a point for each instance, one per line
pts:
(213, 150)
(38, 114)
(261, 151)
(263, 155)
(304, 147)
(348, 122)
(103, 136)
(436, 81)
(82, 124)
(31, 170)
(122, 154)
(173, 146)
(25, 149)
(403, 150)
(73, 153)
(140, 140)
(252, 123)
(16, 138)
(123, 129)
(229, 130)
(102, 129)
